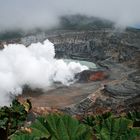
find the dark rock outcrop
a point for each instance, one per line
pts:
(90, 75)
(119, 95)
(94, 45)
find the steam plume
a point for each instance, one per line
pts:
(34, 66)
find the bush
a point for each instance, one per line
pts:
(11, 119)
(58, 127)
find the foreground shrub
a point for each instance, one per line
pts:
(135, 117)
(64, 127)
(108, 127)
(11, 119)
(57, 127)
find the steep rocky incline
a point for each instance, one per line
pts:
(120, 93)
(92, 45)
(114, 51)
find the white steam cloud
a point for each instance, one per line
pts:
(30, 14)
(34, 66)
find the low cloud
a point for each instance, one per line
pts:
(45, 14)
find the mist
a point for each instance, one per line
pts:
(34, 66)
(45, 14)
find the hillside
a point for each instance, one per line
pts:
(113, 51)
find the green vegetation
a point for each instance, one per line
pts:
(109, 127)
(58, 127)
(11, 119)
(65, 127)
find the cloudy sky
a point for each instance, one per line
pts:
(30, 14)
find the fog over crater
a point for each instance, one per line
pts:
(45, 14)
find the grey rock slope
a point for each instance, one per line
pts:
(92, 45)
(115, 51)
(118, 52)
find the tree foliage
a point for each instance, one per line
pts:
(11, 119)
(109, 127)
(65, 127)
(58, 127)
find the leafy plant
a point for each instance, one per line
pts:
(39, 129)
(108, 127)
(92, 120)
(11, 119)
(116, 129)
(23, 137)
(64, 127)
(59, 127)
(135, 117)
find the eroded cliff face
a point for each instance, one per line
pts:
(93, 45)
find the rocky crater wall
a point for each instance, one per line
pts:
(96, 45)
(117, 52)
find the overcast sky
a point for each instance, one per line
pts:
(29, 14)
